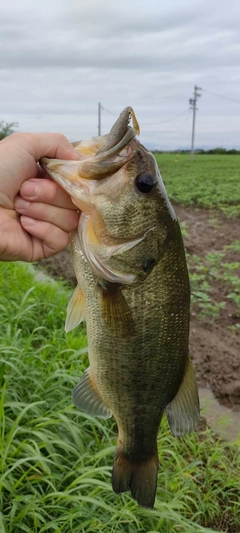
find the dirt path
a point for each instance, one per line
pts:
(214, 347)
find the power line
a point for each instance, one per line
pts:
(152, 123)
(167, 120)
(99, 119)
(148, 124)
(193, 107)
(110, 112)
(222, 96)
(101, 108)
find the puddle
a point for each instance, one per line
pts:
(225, 422)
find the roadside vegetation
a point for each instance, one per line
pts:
(55, 461)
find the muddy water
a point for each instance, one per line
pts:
(225, 422)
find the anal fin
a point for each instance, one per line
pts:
(86, 397)
(183, 411)
(76, 312)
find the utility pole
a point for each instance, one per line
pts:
(193, 104)
(99, 118)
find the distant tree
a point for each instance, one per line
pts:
(233, 151)
(6, 128)
(220, 151)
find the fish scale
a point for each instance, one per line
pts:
(121, 391)
(133, 291)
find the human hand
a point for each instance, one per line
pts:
(39, 227)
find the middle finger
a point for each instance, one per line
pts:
(47, 192)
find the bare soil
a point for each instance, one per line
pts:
(215, 349)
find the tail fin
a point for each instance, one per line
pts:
(139, 478)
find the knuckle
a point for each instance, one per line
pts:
(56, 237)
(51, 191)
(47, 190)
(61, 138)
(42, 211)
(50, 232)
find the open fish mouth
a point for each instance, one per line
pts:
(106, 150)
(109, 154)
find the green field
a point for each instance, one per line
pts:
(209, 181)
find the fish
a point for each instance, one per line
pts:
(133, 292)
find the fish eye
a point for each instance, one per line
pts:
(145, 182)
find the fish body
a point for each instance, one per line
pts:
(133, 291)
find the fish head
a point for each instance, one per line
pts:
(125, 212)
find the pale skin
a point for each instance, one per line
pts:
(36, 215)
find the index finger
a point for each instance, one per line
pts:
(53, 145)
(20, 153)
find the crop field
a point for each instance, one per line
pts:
(209, 181)
(56, 461)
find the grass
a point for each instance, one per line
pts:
(55, 461)
(211, 181)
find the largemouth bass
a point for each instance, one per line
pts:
(133, 291)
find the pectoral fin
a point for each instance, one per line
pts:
(98, 254)
(183, 411)
(76, 312)
(115, 310)
(86, 397)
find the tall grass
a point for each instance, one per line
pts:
(55, 461)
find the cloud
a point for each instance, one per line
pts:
(60, 58)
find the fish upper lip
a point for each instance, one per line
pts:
(114, 151)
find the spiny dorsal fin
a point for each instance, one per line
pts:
(76, 312)
(183, 411)
(86, 397)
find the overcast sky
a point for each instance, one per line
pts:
(59, 58)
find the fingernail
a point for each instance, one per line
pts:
(29, 189)
(26, 221)
(21, 204)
